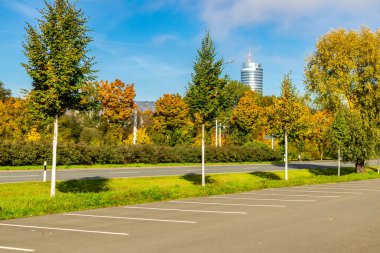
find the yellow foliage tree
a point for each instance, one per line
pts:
(142, 137)
(117, 100)
(171, 120)
(249, 117)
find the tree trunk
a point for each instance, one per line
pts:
(339, 161)
(286, 156)
(359, 165)
(54, 160)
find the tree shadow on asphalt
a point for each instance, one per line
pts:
(197, 179)
(266, 175)
(331, 171)
(88, 184)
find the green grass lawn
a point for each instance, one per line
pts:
(31, 199)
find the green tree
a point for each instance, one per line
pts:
(289, 116)
(57, 62)
(4, 93)
(339, 133)
(343, 71)
(206, 94)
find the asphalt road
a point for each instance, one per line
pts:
(340, 217)
(67, 174)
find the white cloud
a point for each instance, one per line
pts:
(222, 16)
(162, 38)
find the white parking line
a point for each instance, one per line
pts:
(123, 172)
(129, 218)
(21, 176)
(283, 190)
(183, 210)
(359, 185)
(223, 204)
(284, 200)
(289, 195)
(63, 229)
(17, 249)
(339, 188)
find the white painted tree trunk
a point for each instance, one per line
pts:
(134, 127)
(286, 155)
(54, 160)
(203, 156)
(339, 161)
(220, 135)
(216, 133)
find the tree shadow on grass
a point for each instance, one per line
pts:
(266, 175)
(332, 171)
(88, 184)
(197, 179)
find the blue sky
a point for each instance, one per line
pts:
(154, 43)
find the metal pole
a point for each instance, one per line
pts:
(216, 133)
(203, 156)
(134, 127)
(44, 179)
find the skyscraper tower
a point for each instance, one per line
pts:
(252, 74)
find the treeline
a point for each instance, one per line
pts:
(342, 118)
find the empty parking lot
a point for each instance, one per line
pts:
(341, 217)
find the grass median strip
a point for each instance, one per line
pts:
(31, 199)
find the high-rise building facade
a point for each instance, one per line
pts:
(252, 74)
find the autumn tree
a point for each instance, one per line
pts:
(206, 94)
(171, 120)
(289, 116)
(248, 117)
(58, 64)
(343, 71)
(117, 99)
(321, 122)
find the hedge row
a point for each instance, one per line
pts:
(33, 153)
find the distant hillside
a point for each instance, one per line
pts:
(145, 105)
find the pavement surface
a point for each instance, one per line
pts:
(339, 217)
(67, 174)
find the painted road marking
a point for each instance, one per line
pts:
(223, 204)
(359, 185)
(129, 218)
(63, 229)
(17, 249)
(21, 176)
(283, 190)
(288, 195)
(182, 210)
(285, 200)
(123, 172)
(339, 188)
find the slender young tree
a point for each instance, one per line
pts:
(206, 93)
(57, 63)
(289, 116)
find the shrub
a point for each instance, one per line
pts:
(29, 153)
